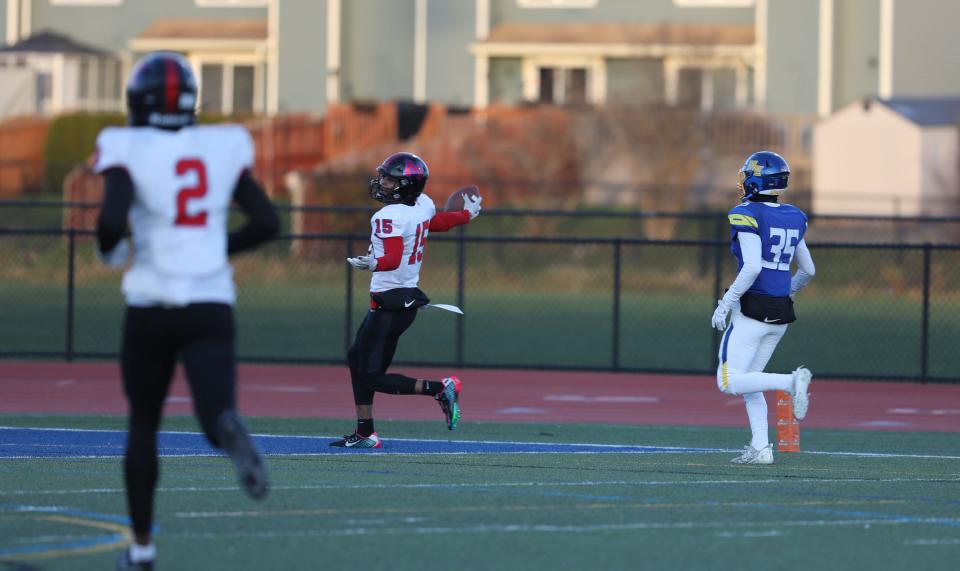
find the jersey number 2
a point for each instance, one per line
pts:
(199, 190)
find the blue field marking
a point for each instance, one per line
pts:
(68, 443)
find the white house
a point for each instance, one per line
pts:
(51, 73)
(896, 157)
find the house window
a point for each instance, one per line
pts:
(690, 87)
(546, 85)
(44, 91)
(714, 86)
(243, 88)
(229, 87)
(211, 88)
(83, 90)
(557, 3)
(564, 80)
(563, 86)
(229, 3)
(575, 86)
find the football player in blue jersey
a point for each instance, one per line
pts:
(766, 237)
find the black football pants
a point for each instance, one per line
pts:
(203, 335)
(372, 352)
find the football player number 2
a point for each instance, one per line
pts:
(785, 244)
(188, 193)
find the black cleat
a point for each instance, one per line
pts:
(250, 467)
(356, 441)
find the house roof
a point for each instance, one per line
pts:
(927, 111)
(50, 42)
(206, 29)
(600, 33)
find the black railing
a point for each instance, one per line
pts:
(702, 223)
(874, 311)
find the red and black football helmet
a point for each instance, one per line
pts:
(401, 179)
(162, 92)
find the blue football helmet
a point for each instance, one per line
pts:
(764, 172)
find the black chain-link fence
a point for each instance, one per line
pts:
(873, 311)
(623, 223)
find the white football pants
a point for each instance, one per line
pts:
(745, 349)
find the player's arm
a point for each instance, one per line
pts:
(745, 228)
(444, 221)
(112, 222)
(390, 232)
(262, 220)
(805, 268)
(392, 254)
(750, 249)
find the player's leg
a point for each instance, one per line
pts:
(377, 348)
(364, 436)
(756, 403)
(801, 376)
(208, 349)
(147, 362)
(445, 391)
(364, 345)
(743, 340)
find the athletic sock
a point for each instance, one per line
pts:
(140, 553)
(432, 388)
(364, 426)
(757, 413)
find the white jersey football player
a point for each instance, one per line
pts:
(173, 183)
(766, 237)
(398, 237)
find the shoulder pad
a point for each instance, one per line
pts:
(742, 217)
(237, 138)
(111, 149)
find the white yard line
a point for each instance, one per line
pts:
(545, 528)
(538, 483)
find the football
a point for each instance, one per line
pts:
(455, 202)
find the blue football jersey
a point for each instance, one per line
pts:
(780, 229)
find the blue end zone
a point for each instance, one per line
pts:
(64, 443)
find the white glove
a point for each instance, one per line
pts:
(116, 257)
(472, 205)
(368, 263)
(720, 314)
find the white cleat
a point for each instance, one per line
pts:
(753, 456)
(801, 399)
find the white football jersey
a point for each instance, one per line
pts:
(183, 183)
(412, 223)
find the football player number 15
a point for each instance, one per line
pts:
(419, 243)
(785, 244)
(188, 193)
